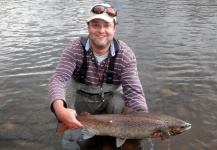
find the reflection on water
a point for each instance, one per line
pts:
(175, 44)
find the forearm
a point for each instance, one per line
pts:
(66, 115)
(132, 88)
(58, 106)
(62, 76)
(56, 91)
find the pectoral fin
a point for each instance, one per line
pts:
(120, 141)
(165, 135)
(86, 133)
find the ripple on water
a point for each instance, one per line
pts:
(174, 42)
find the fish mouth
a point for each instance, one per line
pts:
(184, 128)
(187, 126)
(178, 130)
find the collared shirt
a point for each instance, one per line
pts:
(125, 73)
(100, 58)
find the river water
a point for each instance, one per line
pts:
(175, 44)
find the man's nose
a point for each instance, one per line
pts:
(101, 28)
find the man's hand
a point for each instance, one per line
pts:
(66, 115)
(156, 135)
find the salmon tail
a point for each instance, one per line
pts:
(61, 127)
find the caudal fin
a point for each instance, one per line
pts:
(61, 127)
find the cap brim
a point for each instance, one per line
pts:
(102, 16)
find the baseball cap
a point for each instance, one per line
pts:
(103, 11)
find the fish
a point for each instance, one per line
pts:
(129, 124)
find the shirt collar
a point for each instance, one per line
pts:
(112, 47)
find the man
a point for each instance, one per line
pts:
(104, 70)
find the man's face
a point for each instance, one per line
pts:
(101, 33)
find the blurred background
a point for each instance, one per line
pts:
(175, 44)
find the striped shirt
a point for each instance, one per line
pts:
(125, 73)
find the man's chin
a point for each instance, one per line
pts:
(102, 45)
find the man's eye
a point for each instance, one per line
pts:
(107, 26)
(95, 25)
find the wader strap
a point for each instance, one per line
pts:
(83, 69)
(110, 70)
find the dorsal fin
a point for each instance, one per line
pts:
(128, 110)
(84, 113)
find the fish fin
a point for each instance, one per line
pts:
(61, 127)
(84, 113)
(120, 141)
(86, 133)
(165, 135)
(128, 110)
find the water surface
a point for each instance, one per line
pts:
(175, 44)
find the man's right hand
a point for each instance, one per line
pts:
(66, 115)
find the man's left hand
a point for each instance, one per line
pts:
(156, 135)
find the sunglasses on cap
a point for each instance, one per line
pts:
(99, 9)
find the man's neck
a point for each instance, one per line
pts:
(100, 52)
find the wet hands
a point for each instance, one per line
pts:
(156, 135)
(69, 118)
(66, 115)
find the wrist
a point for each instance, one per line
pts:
(58, 105)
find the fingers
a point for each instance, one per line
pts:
(156, 135)
(68, 117)
(75, 125)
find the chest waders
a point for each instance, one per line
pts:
(95, 97)
(106, 98)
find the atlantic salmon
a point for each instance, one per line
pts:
(129, 125)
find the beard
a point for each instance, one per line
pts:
(100, 45)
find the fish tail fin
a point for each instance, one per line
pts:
(61, 127)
